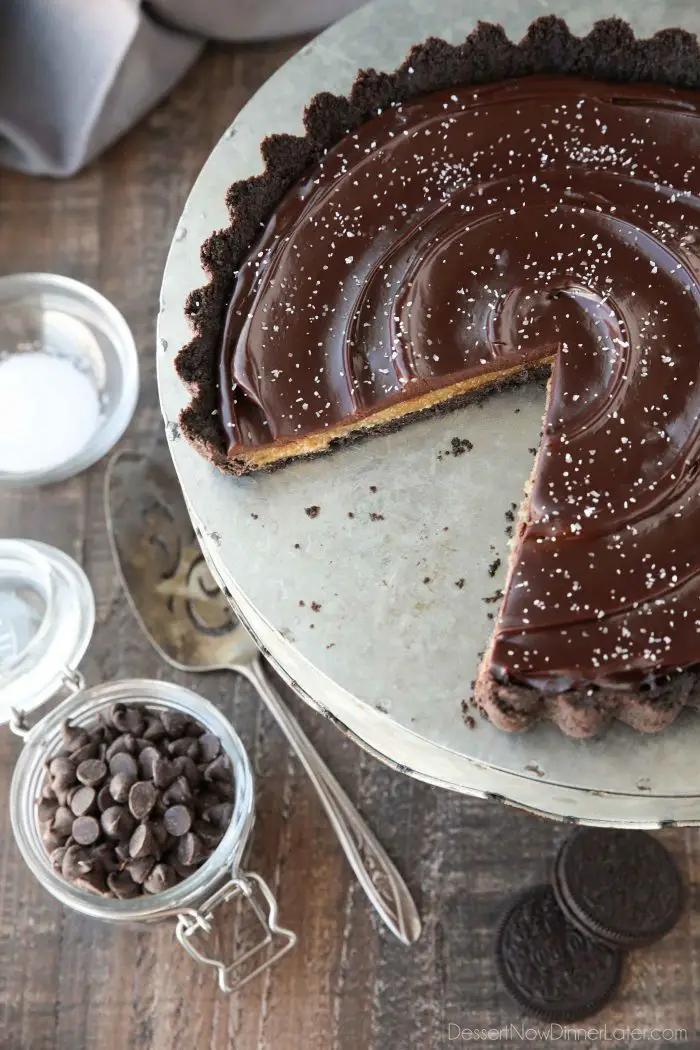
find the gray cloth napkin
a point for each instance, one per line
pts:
(75, 74)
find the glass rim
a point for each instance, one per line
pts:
(44, 738)
(116, 328)
(38, 573)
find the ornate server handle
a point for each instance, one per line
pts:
(375, 872)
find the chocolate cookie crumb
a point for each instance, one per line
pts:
(426, 579)
(494, 567)
(376, 517)
(315, 606)
(373, 488)
(460, 582)
(460, 446)
(313, 511)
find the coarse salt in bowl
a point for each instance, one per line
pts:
(68, 378)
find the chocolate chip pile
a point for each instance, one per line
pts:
(136, 802)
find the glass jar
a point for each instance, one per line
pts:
(30, 574)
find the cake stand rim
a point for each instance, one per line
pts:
(644, 806)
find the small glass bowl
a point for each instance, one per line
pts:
(193, 901)
(64, 318)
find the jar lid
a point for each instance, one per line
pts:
(47, 614)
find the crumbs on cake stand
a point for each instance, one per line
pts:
(458, 446)
(469, 720)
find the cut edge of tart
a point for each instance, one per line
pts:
(582, 712)
(384, 420)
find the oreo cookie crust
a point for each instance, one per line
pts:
(621, 886)
(552, 969)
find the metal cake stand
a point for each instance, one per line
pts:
(377, 619)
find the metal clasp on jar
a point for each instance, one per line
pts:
(233, 974)
(72, 681)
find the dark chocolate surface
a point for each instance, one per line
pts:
(484, 226)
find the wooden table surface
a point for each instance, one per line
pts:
(72, 984)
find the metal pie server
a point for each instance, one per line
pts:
(187, 619)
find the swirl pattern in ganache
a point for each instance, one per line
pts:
(486, 229)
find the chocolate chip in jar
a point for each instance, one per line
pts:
(142, 798)
(162, 877)
(91, 772)
(83, 800)
(62, 823)
(85, 830)
(148, 756)
(123, 762)
(134, 802)
(117, 823)
(120, 786)
(177, 820)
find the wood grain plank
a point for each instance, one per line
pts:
(31, 925)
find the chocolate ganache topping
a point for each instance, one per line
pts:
(482, 229)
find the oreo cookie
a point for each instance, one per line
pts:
(552, 969)
(621, 886)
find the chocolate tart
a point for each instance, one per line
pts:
(489, 214)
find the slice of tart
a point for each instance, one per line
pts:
(419, 248)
